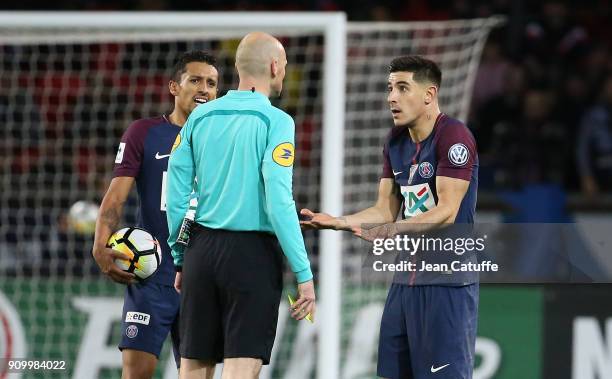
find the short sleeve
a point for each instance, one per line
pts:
(456, 151)
(387, 171)
(130, 151)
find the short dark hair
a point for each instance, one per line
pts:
(424, 70)
(191, 56)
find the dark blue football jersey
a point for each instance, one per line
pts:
(450, 150)
(143, 154)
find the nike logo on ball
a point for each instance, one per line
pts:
(157, 156)
(436, 369)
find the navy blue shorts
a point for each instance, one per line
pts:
(428, 332)
(150, 312)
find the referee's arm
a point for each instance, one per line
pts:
(179, 185)
(277, 170)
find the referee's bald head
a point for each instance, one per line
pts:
(257, 53)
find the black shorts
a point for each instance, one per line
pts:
(231, 291)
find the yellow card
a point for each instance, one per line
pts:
(292, 301)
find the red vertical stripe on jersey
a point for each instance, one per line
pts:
(418, 150)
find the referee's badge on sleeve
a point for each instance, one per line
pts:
(176, 143)
(283, 154)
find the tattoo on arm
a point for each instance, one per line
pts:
(111, 218)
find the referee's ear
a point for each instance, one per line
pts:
(274, 68)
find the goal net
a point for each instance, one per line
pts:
(68, 93)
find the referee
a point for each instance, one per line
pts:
(241, 148)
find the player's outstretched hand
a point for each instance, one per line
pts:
(305, 303)
(317, 220)
(105, 258)
(178, 281)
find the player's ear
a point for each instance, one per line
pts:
(430, 94)
(274, 68)
(173, 87)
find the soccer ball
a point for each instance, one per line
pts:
(82, 217)
(142, 248)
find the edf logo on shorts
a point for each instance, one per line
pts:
(137, 317)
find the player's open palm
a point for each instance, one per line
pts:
(317, 220)
(306, 302)
(105, 258)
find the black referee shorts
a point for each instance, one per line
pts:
(231, 291)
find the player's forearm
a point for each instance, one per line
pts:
(429, 220)
(372, 215)
(109, 217)
(384, 211)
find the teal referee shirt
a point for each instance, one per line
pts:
(241, 148)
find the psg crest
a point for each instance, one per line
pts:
(426, 170)
(131, 331)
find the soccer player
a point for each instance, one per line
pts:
(241, 148)
(151, 308)
(431, 173)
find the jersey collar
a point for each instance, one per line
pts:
(254, 95)
(167, 119)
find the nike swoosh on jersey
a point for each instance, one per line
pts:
(157, 156)
(396, 173)
(436, 369)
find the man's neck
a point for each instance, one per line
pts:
(177, 117)
(252, 84)
(424, 125)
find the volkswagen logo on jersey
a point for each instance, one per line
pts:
(426, 170)
(458, 154)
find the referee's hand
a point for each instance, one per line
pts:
(306, 301)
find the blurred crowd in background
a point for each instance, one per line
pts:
(543, 96)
